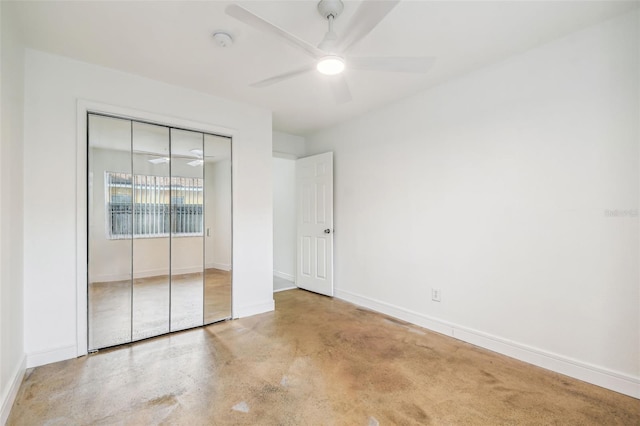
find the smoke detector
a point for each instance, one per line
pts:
(223, 39)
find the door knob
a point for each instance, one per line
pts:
(327, 231)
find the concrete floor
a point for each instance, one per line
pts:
(314, 361)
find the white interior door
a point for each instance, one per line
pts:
(314, 194)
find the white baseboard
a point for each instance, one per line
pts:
(287, 277)
(254, 309)
(154, 273)
(577, 369)
(221, 266)
(615, 381)
(425, 321)
(110, 277)
(37, 359)
(284, 276)
(284, 289)
(10, 396)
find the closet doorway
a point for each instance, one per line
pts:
(159, 229)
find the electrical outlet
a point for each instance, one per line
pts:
(435, 294)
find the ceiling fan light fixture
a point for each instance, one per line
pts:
(162, 160)
(330, 65)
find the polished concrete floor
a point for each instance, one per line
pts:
(314, 361)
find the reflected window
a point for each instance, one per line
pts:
(162, 205)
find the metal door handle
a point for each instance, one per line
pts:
(327, 231)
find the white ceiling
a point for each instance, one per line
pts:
(118, 134)
(172, 42)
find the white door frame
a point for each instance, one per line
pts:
(83, 108)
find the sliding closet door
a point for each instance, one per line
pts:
(187, 242)
(159, 215)
(151, 221)
(110, 231)
(217, 216)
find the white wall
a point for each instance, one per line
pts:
(284, 218)
(54, 183)
(110, 259)
(12, 358)
(286, 148)
(292, 146)
(218, 249)
(494, 188)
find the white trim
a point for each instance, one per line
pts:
(221, 266)
(124, 277)
(81, 229)
(580, 370)
(254, 309)
(425, 321)
(83, 107)
(148, 273)
(36, 359)
(287, 277)
(618, 382)
(174, 271)
(9, 398)
(285, 155)
(284, 276)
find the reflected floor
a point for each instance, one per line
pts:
(110, 305)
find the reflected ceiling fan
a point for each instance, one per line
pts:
(331, 55)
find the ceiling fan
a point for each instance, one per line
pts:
(331, 55)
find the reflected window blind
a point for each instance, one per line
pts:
(153, 206)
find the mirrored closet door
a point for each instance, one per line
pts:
(159, 229)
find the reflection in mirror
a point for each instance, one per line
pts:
(217, 199)
(110, 231)
(151, 220)
(187, 257)
(159, 228)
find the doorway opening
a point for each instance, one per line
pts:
(303, 223)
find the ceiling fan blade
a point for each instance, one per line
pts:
(280, 77)
(366, 18)
(242, 14)
(340, 88)
(393, 64)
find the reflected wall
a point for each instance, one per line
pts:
(110, 259)
(151, 248)
(218, 225)
(159, 218)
